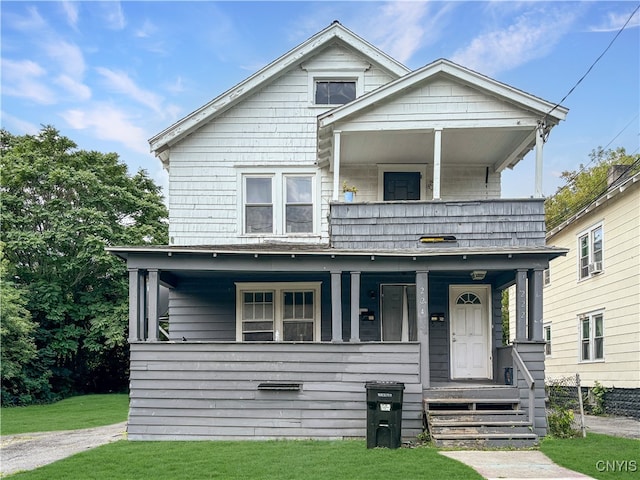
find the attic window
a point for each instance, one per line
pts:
(333, 92)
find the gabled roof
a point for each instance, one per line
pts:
(464, 75)
(163, 140)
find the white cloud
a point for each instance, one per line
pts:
(30, 23)
(177, 86)
(71, 11)
(530, 36)
(22, 78)
(113, 15)
(77, 89)
(615, 21)
(17, 125)
(108, 123)
(68, 55)
(147, 29)
(122, 83)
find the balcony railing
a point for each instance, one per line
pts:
(467, 224)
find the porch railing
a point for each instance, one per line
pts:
(520, 365)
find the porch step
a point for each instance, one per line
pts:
(468, 421)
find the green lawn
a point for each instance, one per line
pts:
(307, 460)
(599, 456)
(84, 411)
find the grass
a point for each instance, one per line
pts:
(84, 411)
(349, 459)
(599, 456)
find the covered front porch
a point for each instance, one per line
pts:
(419, 318)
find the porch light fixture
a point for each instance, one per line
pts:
(478, 274)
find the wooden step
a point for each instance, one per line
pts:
(490, 440)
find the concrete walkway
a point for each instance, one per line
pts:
(513, 465)
(27, 451)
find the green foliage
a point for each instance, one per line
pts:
(596, 397)
(256, 460)
(21, 379)
(85, 411)
(561, 423)
(505, 317)
(61, 207)
(592, 454)
(584, 186)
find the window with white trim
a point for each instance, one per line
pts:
(590, 248)
(334, 92)
(547, 339)
(269, 312)
(280, 203)
(592, 336)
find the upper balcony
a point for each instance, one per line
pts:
(415, 224)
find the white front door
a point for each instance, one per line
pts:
(470, 331)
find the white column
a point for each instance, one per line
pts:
(336, 307)
(336, 165)
(154, 306)
(538, 174)
(437, 157)
(355, 307)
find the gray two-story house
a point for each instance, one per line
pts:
(285, 297)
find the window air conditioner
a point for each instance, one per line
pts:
(595, 268)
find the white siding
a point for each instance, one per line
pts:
(616, 291)
(274, 127)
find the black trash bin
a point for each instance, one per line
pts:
(384, 414)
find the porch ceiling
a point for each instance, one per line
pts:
(493, 147)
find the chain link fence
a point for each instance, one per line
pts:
(565, 410)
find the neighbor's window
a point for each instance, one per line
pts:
(590, 252)
(258, 205)
(547, 340)
(335, 92)
(287, 312)
(592, 337)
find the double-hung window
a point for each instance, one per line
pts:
(547, 340)
(273, 312)
(279, 203)
(590, 246)
(592, 337)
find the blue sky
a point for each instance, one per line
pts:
(110, 75)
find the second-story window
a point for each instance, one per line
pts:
(258, 205)
(333, 92)
(590, 248)
(279, 203)
(298, 204)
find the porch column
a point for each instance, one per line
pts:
(422, 319)
(355, 307)
(521, 305)
(336, 307)
(437, 156)
(154, 306)
(336, 165)
(134, 305)
(534, 329)
(538, 175)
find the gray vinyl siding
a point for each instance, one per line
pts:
(488, 223)
(209, 391)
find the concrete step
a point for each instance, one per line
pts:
(439, 431)
(494, 441)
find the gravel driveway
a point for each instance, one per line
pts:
(27, 451)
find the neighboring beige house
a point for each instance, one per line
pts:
(592, 297)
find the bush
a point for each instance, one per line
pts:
(561, 423)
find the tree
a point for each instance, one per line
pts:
(61, 207)
(586, 185)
